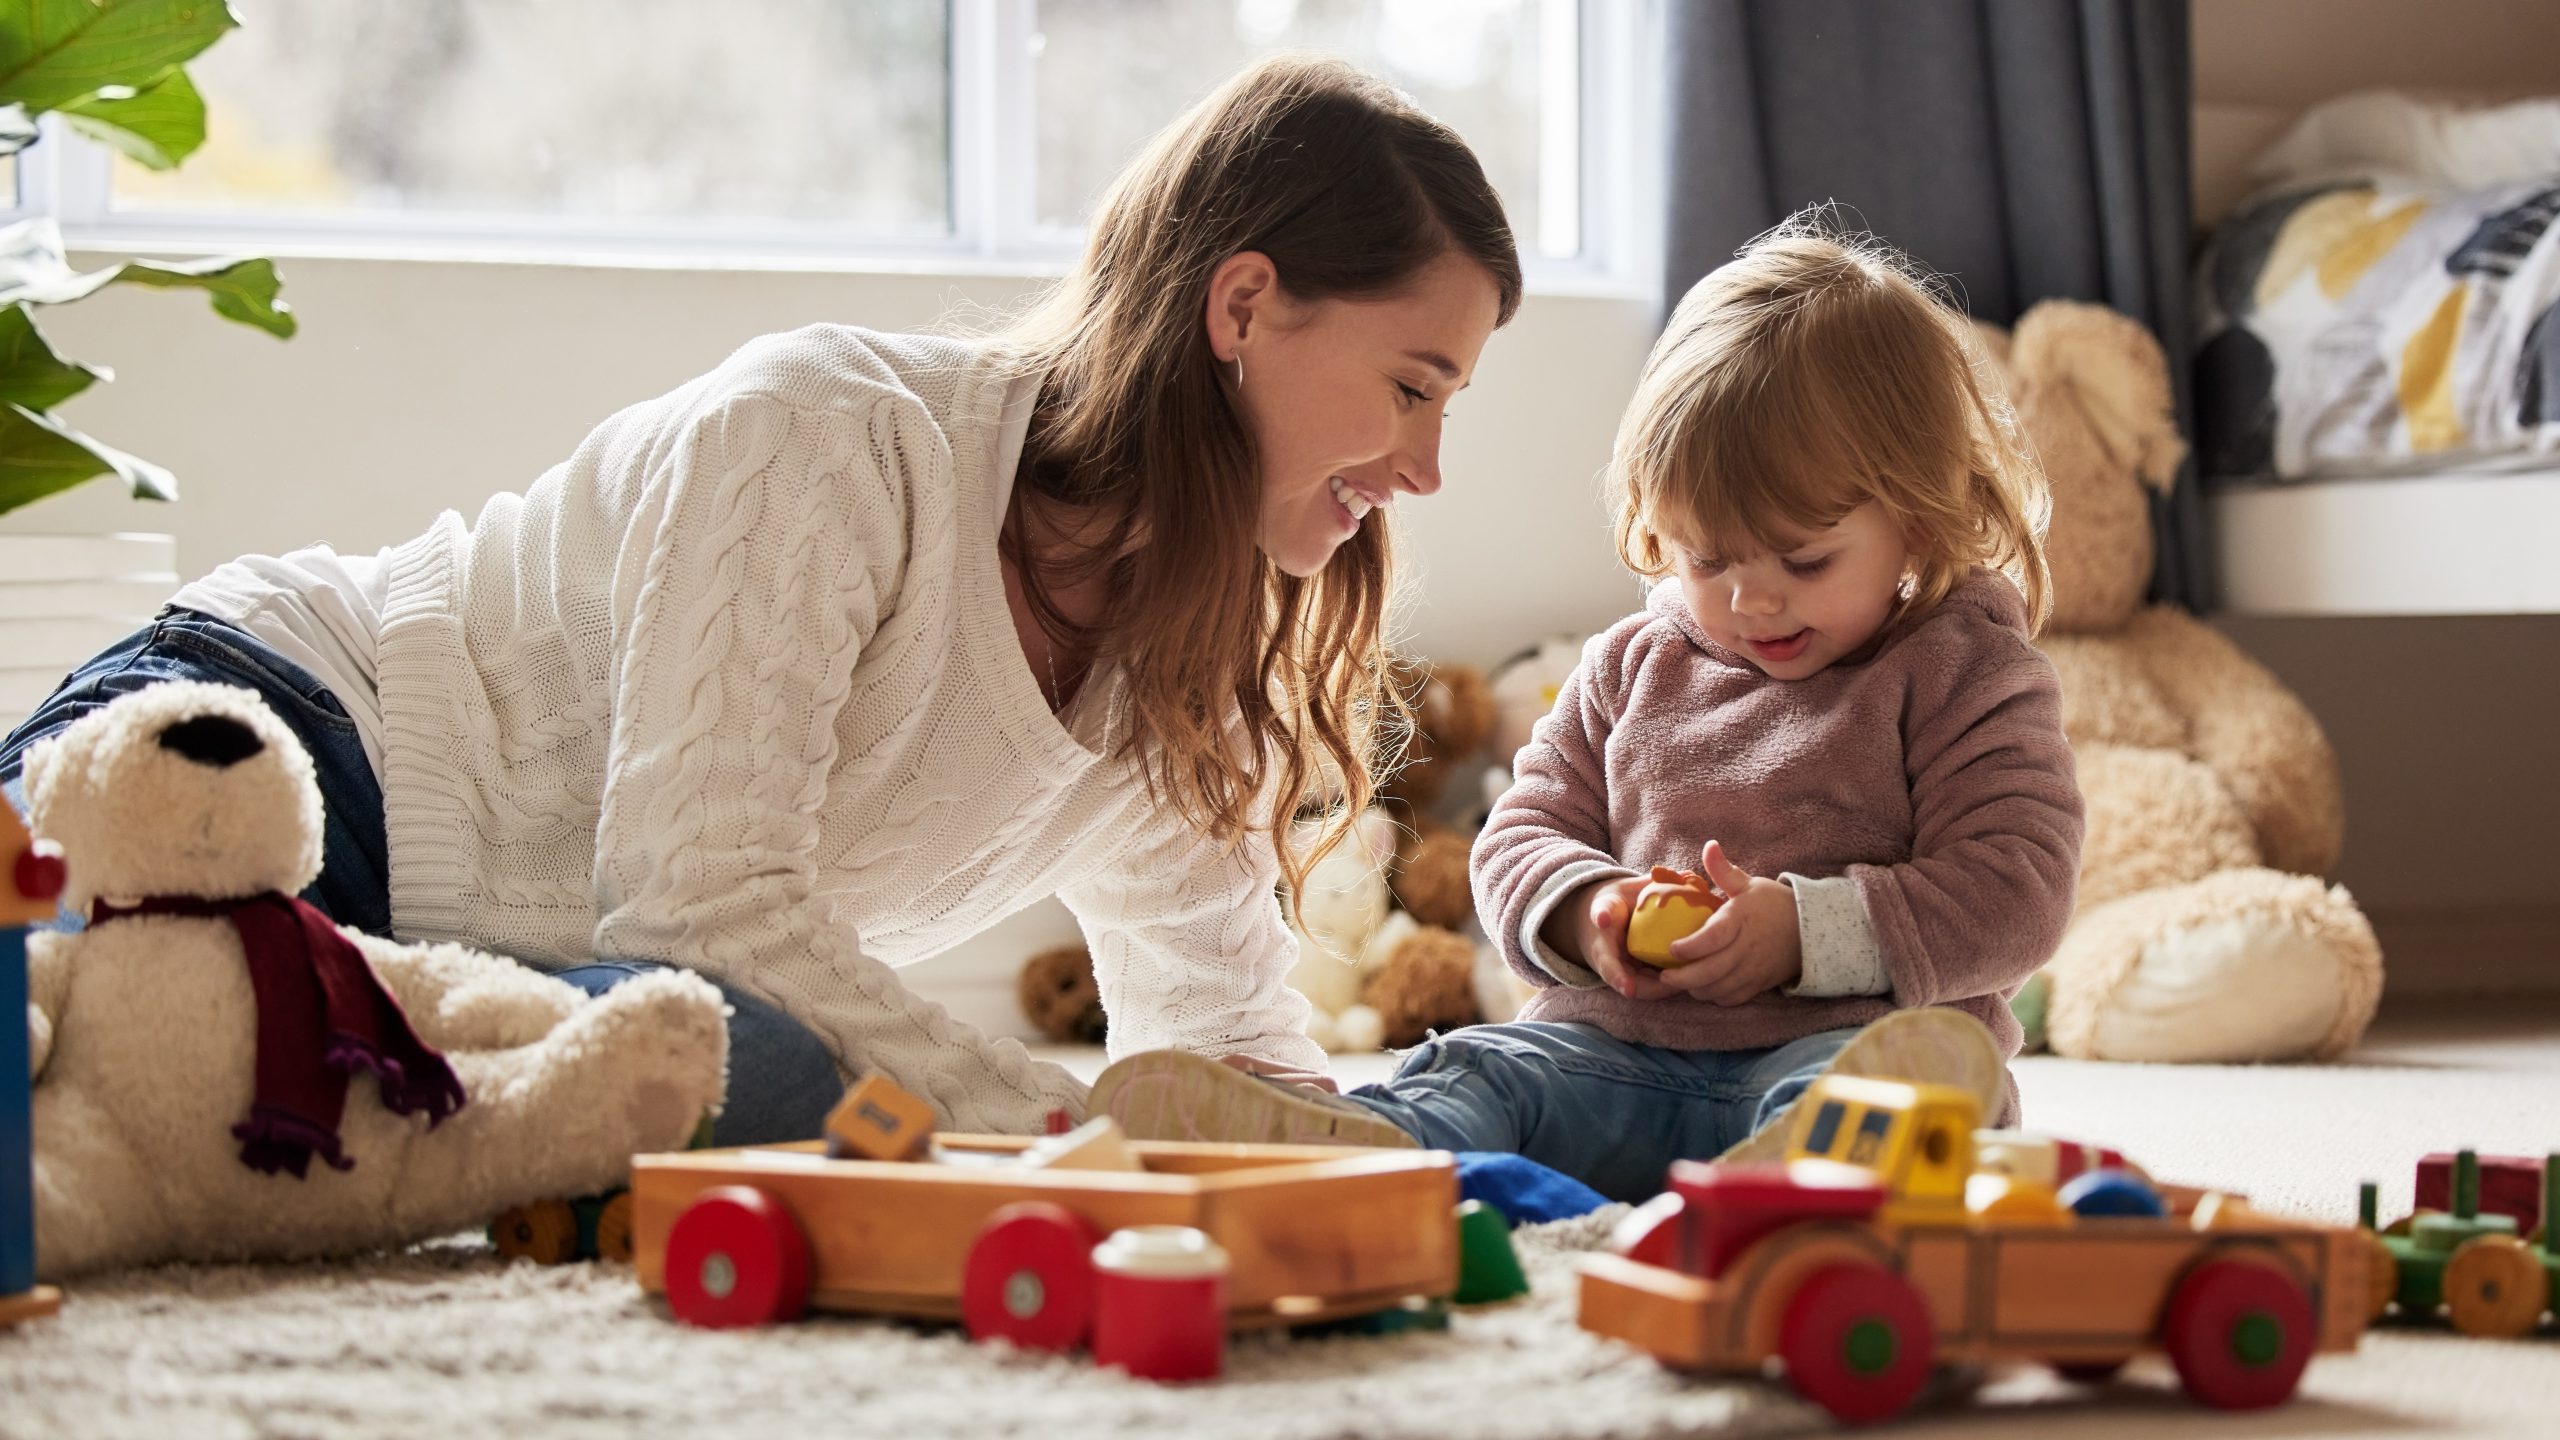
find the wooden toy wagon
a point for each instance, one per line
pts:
(750, 1236)
(1877, 1252)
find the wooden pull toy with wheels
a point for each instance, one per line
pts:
(1880, 1250)
(1145, 1252)
(2491, 1273)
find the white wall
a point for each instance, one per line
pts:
(2260, 63)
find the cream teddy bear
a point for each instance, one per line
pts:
(2203, 930)
(202, 1042)
(1342, 910)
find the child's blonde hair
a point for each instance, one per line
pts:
(1813, 374)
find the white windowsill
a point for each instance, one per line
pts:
(1544, 279)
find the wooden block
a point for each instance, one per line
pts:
(1097, 1144)
(1669, 1316)
(878, 1121)
(2510, 1185)
(35, 1304)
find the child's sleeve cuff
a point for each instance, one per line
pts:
(1838, 941)
(1553, 893)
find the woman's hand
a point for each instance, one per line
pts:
(1749, 947)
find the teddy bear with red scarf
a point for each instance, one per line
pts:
(207, 1036)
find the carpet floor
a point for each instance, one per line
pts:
(444, 1339)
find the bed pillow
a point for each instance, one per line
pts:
(2386, 321)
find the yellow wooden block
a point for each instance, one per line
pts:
(878, 1121)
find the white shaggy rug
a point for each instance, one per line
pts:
(444, 1340)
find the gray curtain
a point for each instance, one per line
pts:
(2027, 149)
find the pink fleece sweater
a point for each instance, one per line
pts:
(1932, 773)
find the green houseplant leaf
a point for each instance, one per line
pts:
(30, 373)
(34, 272)
(155, 127)
(55, 52)
(112, 67)
(40, 455)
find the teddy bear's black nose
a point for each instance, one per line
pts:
(216, 740)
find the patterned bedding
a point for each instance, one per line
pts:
(2378, 327)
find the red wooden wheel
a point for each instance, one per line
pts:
(1857, 1341)
(736, 1257)
(2240, 1332)
(1030, 1278)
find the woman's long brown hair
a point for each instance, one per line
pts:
(1247, 689)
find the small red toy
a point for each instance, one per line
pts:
(2510, 1185)
(1160, 1312)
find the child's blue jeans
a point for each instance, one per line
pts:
(1608, 1112)
(782, 1077)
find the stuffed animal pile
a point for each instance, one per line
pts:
(1385, 949)
(2204, 931)
(222, 1074)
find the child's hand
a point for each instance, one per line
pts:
(1747, 948)
(1594, 925)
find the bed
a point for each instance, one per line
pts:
(2378, 365)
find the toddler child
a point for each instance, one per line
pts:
(1829, 705)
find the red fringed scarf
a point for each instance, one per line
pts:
(323, 1015)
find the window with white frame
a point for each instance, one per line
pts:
(895, 130)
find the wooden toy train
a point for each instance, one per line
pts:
(2487, 1272)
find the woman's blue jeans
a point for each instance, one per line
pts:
(782, 1078)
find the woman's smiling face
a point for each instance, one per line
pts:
(1346, 397)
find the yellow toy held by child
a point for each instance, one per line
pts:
(1670, 907)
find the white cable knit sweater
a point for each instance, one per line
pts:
(736, 687)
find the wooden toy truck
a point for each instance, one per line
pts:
(1875, 1252)
(749, 1236)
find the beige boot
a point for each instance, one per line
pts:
(1933, 1045)
(1176, 1095)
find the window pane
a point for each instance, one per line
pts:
(1110, 75)
(810, 110)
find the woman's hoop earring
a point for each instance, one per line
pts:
(1239, 370)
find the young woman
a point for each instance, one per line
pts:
(837, 655)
